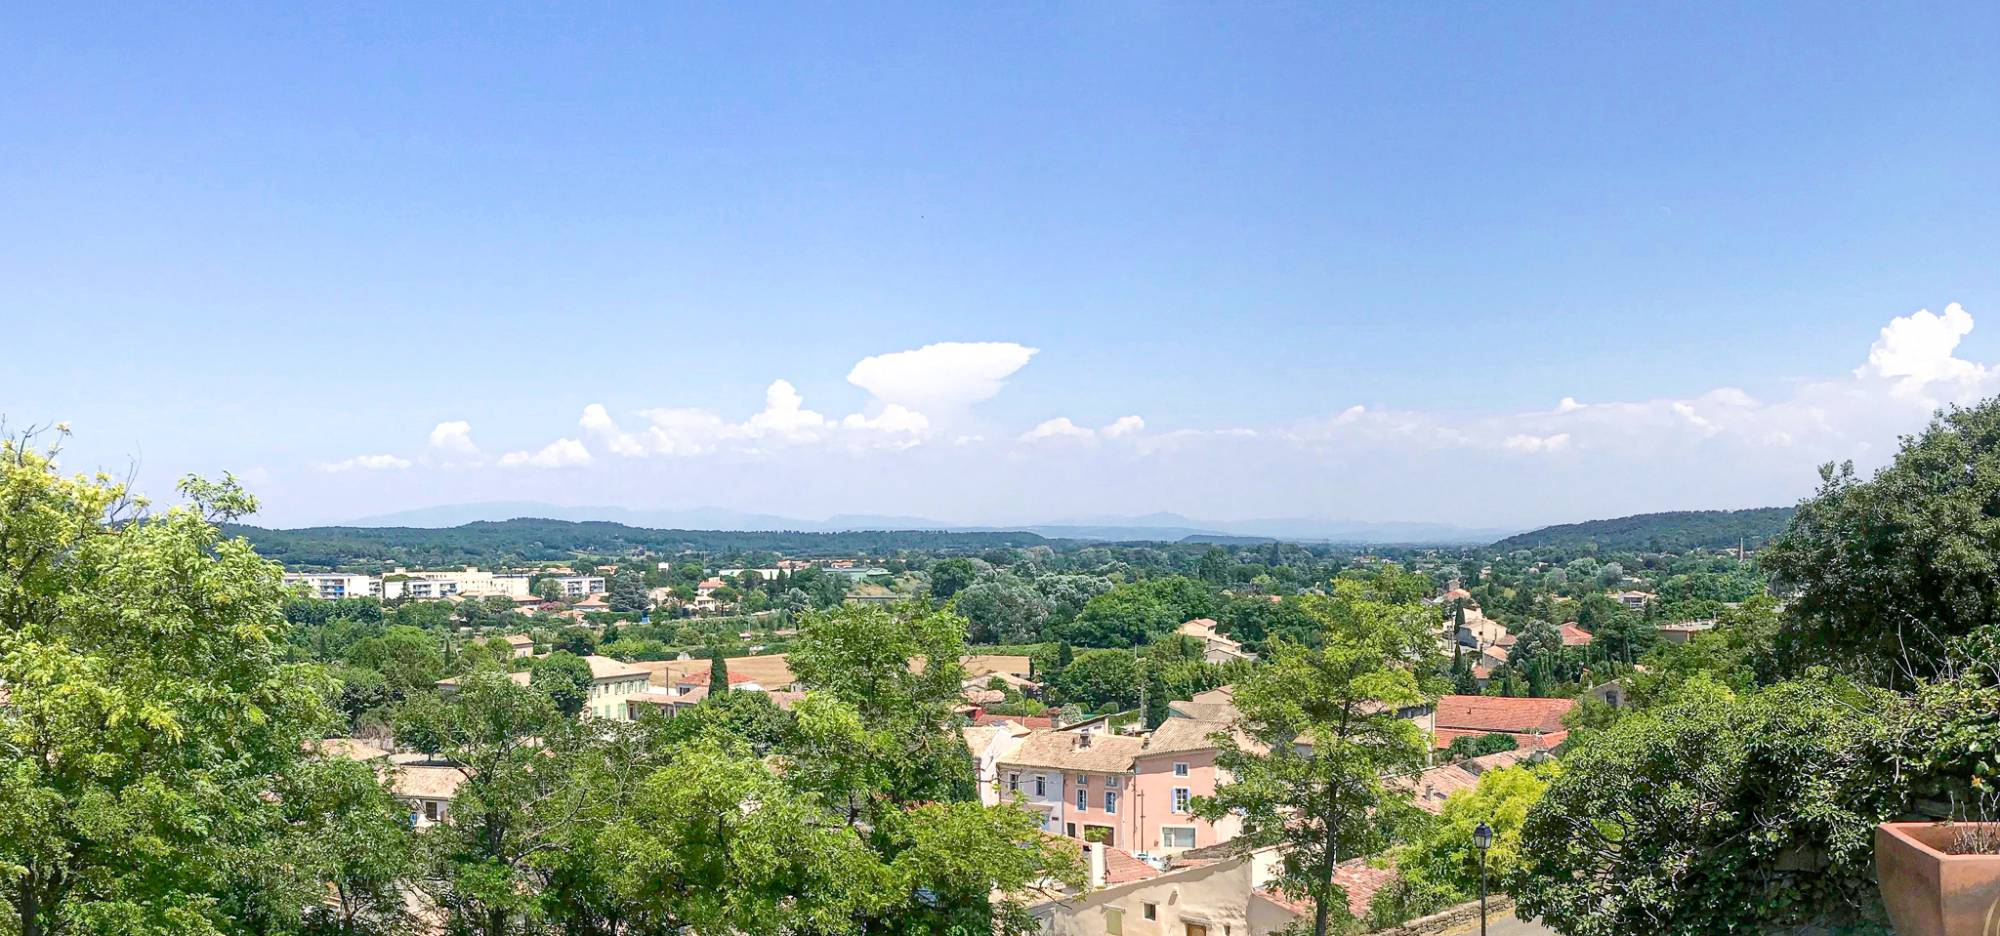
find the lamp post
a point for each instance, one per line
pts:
(1482, 839)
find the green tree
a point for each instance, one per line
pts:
(514, 749)
(1101, 680)
(718, 672)
(1325, 731)
(149, 709)
(950, 576)
(1884, 573)
(564, 679)
(1717, 812)
(862, 656)
(1131, 615)
(627, 593)
(344, 833)
(1157, 697)
(1440, 866)
(1002, 609)
(408, 658)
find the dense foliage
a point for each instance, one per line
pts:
(1674, 531)
(1888, 572)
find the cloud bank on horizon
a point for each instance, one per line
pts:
(920, 442)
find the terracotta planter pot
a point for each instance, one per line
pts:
(1930, 892)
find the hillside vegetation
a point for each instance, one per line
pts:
(1661, 532)
(529, 540)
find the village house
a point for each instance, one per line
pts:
(1680, 632)
(427, 789)
(1175, 764)
(1534, 724)
(1215, 705)
(1213, 892)
(1636, 600)
(520, 646)
(1075, 780)
(988, 744)
(1216, 646)
(1134, 792)
(610, 682)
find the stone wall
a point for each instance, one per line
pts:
(1449, 921)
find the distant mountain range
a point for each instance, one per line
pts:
(1155, 526)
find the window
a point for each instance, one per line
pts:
(1180, 769)
(1114, 922)
(431, 810)
(1110, 801)
(1014, 782)
(1082, 798)
(1041, 785)
(1150, 911)
(1177, 837)
(1082, 780)
(1111, 783)
(1181, 798)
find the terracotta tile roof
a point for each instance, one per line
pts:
(1203, 711)
(1181, 735)
(1120, 867)
(1025, 721)
(427, 782)
(1074, 750)
(604, 667)
(1429, 788)
(1356, 877)
(1224, 694)
(1498, 714)
(1546, 741)
(1574, 636)
(770, 670)
(1486, 762)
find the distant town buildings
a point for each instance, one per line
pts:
(580, 586)
(468, 582)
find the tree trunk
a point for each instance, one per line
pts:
(30, 909)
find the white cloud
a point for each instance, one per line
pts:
(893, 418)
(1915, 351)
(562, 453)
(942, 378)
(785, 417)
(598, 422)
(1058, 428)
(1124, 426)
(1530, 443)
(454, 437)
(368, 463)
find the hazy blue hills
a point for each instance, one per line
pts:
(1162, 527)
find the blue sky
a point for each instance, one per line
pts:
(278, 241)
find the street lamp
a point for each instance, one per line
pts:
(1482, 839)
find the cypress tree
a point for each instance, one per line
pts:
(718, 672)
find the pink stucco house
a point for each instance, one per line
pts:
(1174, 765)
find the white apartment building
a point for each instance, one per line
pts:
(404, 583)
(333, 586)
(580, 586)
(612, 683)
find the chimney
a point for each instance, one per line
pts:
(1093, 854)
(1082, 739)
